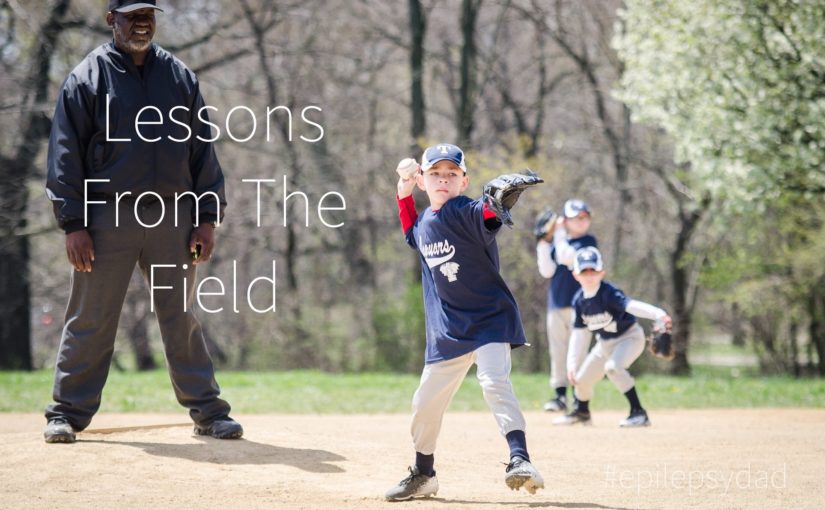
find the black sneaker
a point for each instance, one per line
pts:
(59, 430)
(520, 473)
(557, 404)
(222, 428)
(573, 417)
(417, 485)
(637, 418)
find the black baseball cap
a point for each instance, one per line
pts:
(132, 5)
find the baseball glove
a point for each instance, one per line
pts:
(545, 224)
(502, 193)
(661, 342)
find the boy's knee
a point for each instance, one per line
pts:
(494, 385)
(611, 367)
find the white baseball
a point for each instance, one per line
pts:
(407, 168)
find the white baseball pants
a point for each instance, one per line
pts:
(559, 328)
(440, 381)
(612, 357)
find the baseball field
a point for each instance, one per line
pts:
(754, 458)
(341, 440)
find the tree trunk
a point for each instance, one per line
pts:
(15, 328)
(467, 90)
(681, 316)
(139, 339)
(418, 28)
(680, 274)
(136, 312)
(816, 328)
(737, 332)
(793, 331)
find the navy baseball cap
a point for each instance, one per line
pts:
(588, 258)
(574, 207)
(132, 5)
(441, 152)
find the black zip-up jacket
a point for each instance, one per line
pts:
(78, 146)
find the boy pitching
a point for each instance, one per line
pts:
(555, 254)
(602, 308)
(471, 316)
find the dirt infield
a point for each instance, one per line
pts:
(764, 458)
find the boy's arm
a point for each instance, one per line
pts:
(406, 204)
(565, 253)
(647, 311)
(491, 221)
(547, 267)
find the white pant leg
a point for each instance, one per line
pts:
(439, 382)
(493, 363)
(559, 327)
(627, 348)
(591, 371)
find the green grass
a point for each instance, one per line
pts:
(723, 349)
(318, 392)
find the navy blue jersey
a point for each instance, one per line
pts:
(466, 302)
(603, 313)
(563, 286)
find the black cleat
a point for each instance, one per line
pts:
(59, 430)
(417, 485)
(557, 404)
(637, 418)
(573, 417)
(222, 428)
(521, 473)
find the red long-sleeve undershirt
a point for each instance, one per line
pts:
(407, 213)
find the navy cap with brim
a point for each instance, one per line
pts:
(443, 152)
(135, 6)
(589, 265)
(573, 208)
(588, 258)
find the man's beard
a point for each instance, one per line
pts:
(124, 42)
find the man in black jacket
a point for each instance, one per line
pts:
(133, 178)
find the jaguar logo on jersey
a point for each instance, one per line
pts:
(599, 321)
(437, 254)
(450, 270)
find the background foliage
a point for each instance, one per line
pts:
(693, 129)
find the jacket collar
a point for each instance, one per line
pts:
(125, 59)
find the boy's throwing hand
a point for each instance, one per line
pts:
(407, 169)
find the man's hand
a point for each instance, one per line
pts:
(204, 236)
(80, 250)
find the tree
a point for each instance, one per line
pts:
(418, 28)
(15, 170)
(467, 90)
(616, 128)
(737, 84)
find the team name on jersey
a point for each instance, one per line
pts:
(599, 321)
(436, 253)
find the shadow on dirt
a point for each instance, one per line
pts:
(537, 504)
(240, 452)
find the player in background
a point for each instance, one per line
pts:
(471, 316)
(603, 309)
(555, 254)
